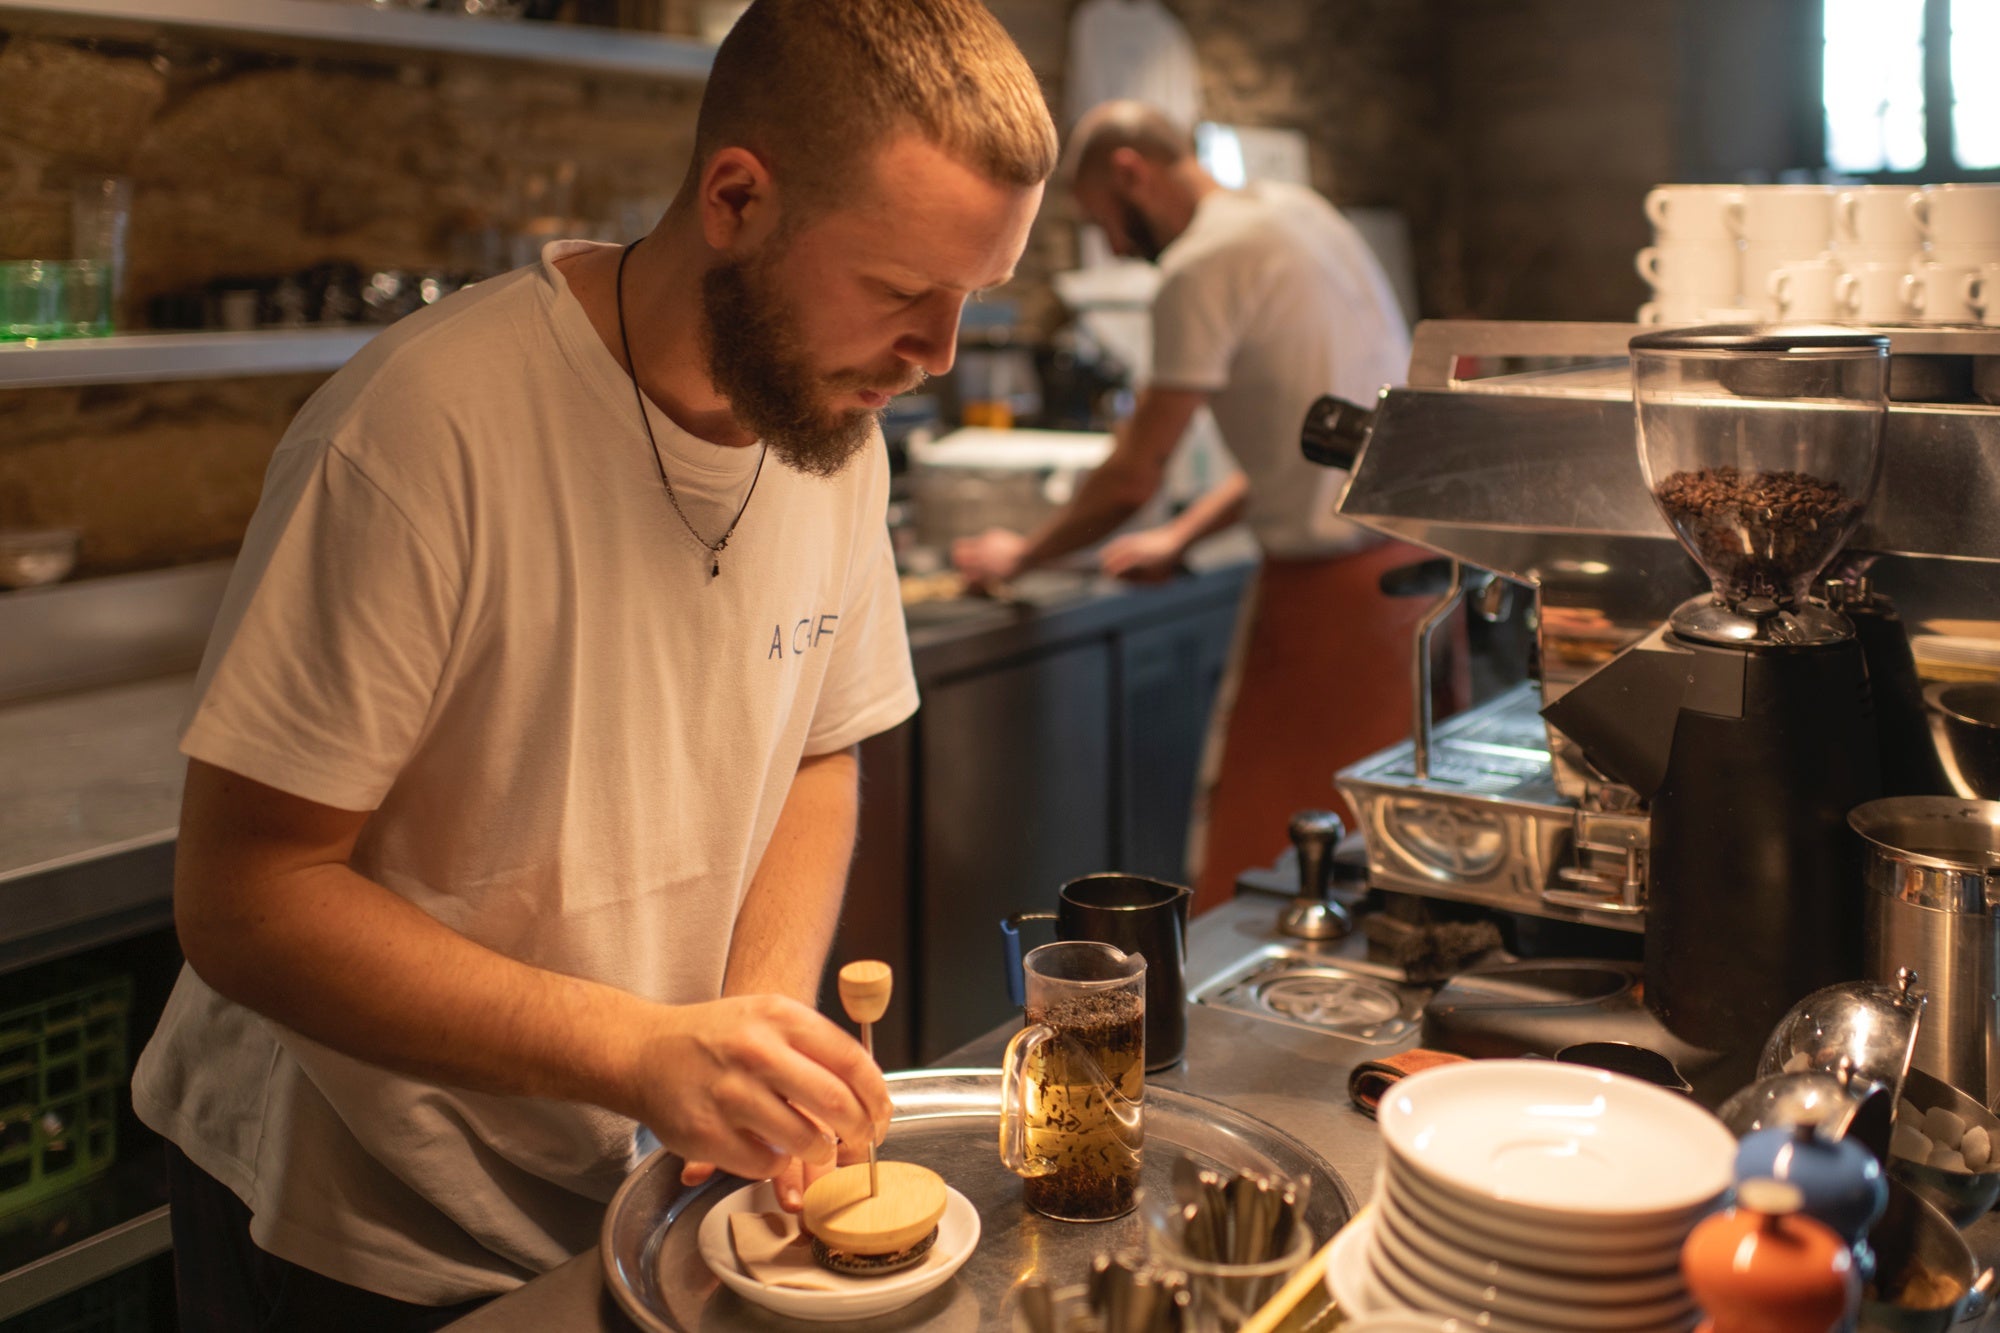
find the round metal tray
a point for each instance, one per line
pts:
(948, 1120)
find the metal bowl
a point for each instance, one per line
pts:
(1962, 1196)
(1866, 1028)
(1965, 724)
(1913, 1235)
(30, 557)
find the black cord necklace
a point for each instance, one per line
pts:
(714, 548)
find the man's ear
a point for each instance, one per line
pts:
(738, 201)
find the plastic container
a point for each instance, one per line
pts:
(62, 1077)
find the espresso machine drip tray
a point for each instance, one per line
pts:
(1500, 749)
(1341, 998)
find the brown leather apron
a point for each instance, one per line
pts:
(1319, 677)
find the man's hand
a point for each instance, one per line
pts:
(994, 556)
(793, 1179)
(746, 1085)
(1149, 556)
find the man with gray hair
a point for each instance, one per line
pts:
(1268, 298)
(522, 783)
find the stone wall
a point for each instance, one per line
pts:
(249, 164)
(1518, 139)
(1357, 77)
(1562, 115)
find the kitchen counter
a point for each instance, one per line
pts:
(90, 790)
(90, 797)
(1292, 1078)
(1051, 606)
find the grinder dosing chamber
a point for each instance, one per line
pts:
(1745, 721)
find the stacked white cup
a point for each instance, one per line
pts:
(1787, 236)
(1695, 264)
(1876, 243)
(1950, 280)
(1986, 293)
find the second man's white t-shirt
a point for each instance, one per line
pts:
(1269, 299)
(466, 604)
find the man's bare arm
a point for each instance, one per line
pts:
(786, 923)
(271, 915)
(1156, 552)
(1112, 493)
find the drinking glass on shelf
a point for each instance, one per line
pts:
(30, 299)
(100, 217)
(84, 299)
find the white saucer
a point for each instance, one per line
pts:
(855, 1297)
(1539, 1142)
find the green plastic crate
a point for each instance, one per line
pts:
(62, 1077)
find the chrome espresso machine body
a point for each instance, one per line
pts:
(1512, 450)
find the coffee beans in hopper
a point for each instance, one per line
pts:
(1756, 532)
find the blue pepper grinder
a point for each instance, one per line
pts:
(1841, 1181)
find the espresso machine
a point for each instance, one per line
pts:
(1726, 713)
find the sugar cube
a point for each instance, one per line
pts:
(1943, 1126)
(1942, 1156)
(1908, 1142)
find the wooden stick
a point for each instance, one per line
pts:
(864, 993)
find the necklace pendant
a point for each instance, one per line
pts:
(715, 569)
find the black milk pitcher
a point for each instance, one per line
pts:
(1136, 915)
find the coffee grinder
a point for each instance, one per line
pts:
(1745, 721)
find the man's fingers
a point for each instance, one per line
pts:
(693, 1173)
(790, 1184)
(749, 1157)
(830, 1077)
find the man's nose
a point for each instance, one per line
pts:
(932, 342)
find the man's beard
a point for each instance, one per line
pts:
(758, 360)
(1145, 241)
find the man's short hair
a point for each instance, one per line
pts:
(816, 87)
(1110, 126)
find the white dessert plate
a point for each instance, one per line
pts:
(1548, 1142)
(852, 1297)
(1471, 1266)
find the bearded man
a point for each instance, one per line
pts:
(1268, 298)
(522, 780)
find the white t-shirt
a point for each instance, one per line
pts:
(465, 603)
(1269, 299)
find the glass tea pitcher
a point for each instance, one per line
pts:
(1073, 1083)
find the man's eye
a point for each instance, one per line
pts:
(898, 295)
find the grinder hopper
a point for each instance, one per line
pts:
(1761, 447)
(1745, 721)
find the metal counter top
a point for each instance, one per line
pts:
(1295, 1079)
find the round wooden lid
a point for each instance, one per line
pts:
(909, 1202)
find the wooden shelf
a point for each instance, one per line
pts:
(361, 26)
(140, 357)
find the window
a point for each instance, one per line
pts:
(1910, 87)
(1975, 83)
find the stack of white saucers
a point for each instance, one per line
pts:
(1528, 1196)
